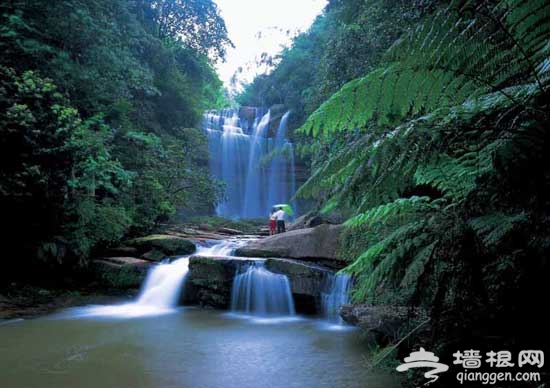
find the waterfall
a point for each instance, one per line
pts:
(160, 291)
(221, 248)
(337, 295)
(255, 179)
(238, 151)
(261, 292)
(281, 169)
(163, 284)
(229, 147)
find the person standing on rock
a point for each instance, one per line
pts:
(280, 216)
(272, 224)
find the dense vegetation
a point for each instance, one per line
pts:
(98, 101)
(345, 42)
(426, 123)
(438, 147)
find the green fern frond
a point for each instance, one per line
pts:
(492, 228)
(383, 261)
(383, 212)
(417, 265)
(445, 63)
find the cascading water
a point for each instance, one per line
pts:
(229, 148)
(261, 292)
(282, 180)
(238, 153)
(337, 295)
(255, 179)
(163, 284)
(161, 289)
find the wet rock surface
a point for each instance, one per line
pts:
(317, 244)
(154, 247)
(210, 280)
(385, 324)
(120, 272)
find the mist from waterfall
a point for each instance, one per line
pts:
(256, 164)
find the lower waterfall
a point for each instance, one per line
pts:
(337, 295)
(261, 292)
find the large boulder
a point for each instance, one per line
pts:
(157, 246)
(312, 219)
(319, 244)
(305, 278)
(210, 280)
(120, 272)
(307, 281)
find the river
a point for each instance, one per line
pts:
(156, 345)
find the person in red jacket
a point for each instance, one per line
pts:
(272, 224)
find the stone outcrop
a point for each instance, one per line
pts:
(120, 272)
(210, 280)
(311, 220)
(384, 323)
(307, 281)
(158, 246)
(317, 244)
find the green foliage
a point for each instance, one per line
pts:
(56, 164)
(402, 242)
(248, 225)
(93, 103)
(345, 42)
(443, 139)
(493, 227)
(195, 23)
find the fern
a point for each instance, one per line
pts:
(447, 62)
(389, 210)
(455, 105)
(387, 260)
(491, 228)
(417, 265)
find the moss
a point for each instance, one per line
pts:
(248, 226)
(125, 277)
(169, 245)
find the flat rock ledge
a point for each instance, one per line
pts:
(154, 247)
(210, 280)
(318, 244)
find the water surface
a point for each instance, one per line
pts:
(190, 348)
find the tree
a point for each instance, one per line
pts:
(58, 180)
(195, 23)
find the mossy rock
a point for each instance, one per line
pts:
(167, 244)
(120, 272)
(154, 255)
(125, 277)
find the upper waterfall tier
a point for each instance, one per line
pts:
(251, 154)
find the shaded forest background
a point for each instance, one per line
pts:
(99, 101)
